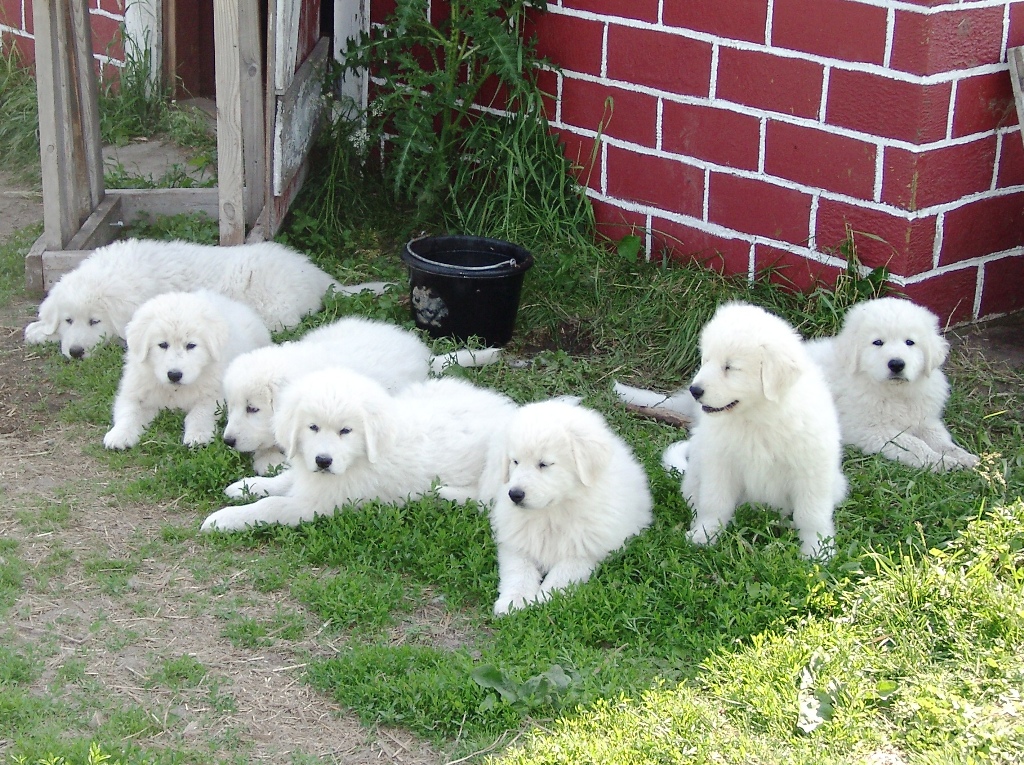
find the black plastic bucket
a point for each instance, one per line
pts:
(462, 286)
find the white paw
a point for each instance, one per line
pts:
(377, 288)
(699, 535)
(676, 456)
(244, 487)
(35, 333)
(197, 439)
(227, 519)
(506, 603)
(120, 437)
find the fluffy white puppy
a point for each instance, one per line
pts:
(178, 346)
(767, 429)
(97, 299)
(348, 441)
(391, 355)
(565, 491)
(884, 372)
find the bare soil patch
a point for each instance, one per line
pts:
(115, 635)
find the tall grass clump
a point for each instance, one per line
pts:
(19, 117)
(456, 135)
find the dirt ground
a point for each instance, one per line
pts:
(251, 705)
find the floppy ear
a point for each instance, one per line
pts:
(137, 334)
(936, 349)
(286, 427)
(49, 319)
(849, 343)
(118, 312)
(378, 430)
(590, 452)
(779, 370)
(216, 332)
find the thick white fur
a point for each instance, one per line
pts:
(348, 441)
(97, 299)
(254, 382)
(894, 412)
(566, 491)
(767, 431)
(191, 336)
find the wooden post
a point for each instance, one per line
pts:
(230, 162)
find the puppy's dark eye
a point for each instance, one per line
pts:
(69, 321)
(543, 465)
(190, 347)
(163, 345)
(344, 431)
(515, 462)
(252, 409)
(315, 428)
(93, 322)
(910, 342)
(879, 343)
(727, 368)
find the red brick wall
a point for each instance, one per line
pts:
(754, 133)
(16, 30)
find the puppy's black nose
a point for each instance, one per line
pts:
(174, 375)
(517, 495)
(696, 391)
(897, 365)
(323, 461)
(230, 441)
(76, 351)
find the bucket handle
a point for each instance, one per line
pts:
(512, 262)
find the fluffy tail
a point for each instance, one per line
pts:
(464, 358)
(377, 288)
(681, 402)
(676, 456)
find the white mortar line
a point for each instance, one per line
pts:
(812, 225)
(768, 24)
(876, 193)
(995, 163)
(940, 231)
(951, 111)
(739, 108)
(751, 262)
(706, 202)
(713, 86)
(796, 186)
(1006, 32)
(890, 34)
(762, 137)
(744, 45)
(659, 119)
(979, 286)
(824, 94)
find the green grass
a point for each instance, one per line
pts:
(907, 642)
(713, 639)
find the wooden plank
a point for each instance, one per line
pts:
(56, 264)
(34, 268)
(350, 19)
(89, 146)
(230, 160)
(102, 227)
(61, 205)
(286, 43)
(149, 203)
(298, 115)
(269, 221)
(253, 117)
(1015, 58)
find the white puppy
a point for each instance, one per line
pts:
(178, 346)
(349, 442)
(767, 429)
(884, 372)
(391, 355)
(566, 492)
(97, 299)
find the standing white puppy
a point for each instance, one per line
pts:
(179, 344)
(767, 429)
(566, 492)
(884, 370)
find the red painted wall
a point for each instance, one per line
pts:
(755, 133)
(750, 134)
(17, 31)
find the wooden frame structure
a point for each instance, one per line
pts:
(79, 214)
